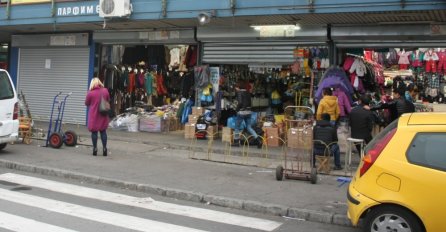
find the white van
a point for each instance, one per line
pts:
(9, 110)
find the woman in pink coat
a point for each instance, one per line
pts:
(96, 121)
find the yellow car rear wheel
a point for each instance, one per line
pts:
(391, 218)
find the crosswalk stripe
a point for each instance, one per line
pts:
(98, 215)
(21, 224)
(146, 203)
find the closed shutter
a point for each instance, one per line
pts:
(260, 52)
(44, 72)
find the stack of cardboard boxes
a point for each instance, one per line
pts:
(189, 128)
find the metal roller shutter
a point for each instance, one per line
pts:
(68, 72)
(262, 52)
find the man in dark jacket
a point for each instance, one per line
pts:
(323, 131)
(244, 114)
(400, 105)
(361, 121)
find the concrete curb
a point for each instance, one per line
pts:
(251, 206)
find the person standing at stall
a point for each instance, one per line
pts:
(328, 105)
(97, 122)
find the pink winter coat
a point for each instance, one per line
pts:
(96, 121)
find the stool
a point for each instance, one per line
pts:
(348, 158)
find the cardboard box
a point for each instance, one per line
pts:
(197, 110)
(212, 132)
(227, 135)
(189, 131)
(193, 118)
(273, 136)
(298, 138)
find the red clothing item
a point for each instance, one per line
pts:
(160, 88)
(96, 121)
(441, 61)
(431, 66)
(191, 56)
(404, 66)
(132, 82)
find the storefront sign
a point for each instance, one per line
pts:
(63, 40)
(78, 10)
(14, 2)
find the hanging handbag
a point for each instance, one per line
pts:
(104, 106)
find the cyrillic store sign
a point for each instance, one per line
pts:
(78, 10)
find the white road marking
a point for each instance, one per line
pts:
(21, 224)
(102, 216)
(145, 203)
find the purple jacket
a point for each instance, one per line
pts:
(96, 121)
(343, 102)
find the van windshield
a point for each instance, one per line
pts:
(6, 91)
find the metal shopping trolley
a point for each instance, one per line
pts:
(298, 157)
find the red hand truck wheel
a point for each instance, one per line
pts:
(56, 140)
(70, 138)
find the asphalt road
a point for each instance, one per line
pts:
(29, 202)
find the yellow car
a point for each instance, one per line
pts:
(400, 184)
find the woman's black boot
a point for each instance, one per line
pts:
(95, 151)
(104, 152)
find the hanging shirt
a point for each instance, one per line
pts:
(148, 83)
(174, 57)
(404, 57)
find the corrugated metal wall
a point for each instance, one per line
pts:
(68, 72)
(254, 52)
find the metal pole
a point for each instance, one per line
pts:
(8, 9)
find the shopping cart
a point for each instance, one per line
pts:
(298, 157)
(55, 138)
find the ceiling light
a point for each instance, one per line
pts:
(284, 27)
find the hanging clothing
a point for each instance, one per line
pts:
(160, 88)
(186, 85)
(148, 83)
(358, 67)
(131, 82)
(191, 56)
(417, 58)
(174, 57)
(141, 79)
(431, 61)
(343, 102)
(442, 61)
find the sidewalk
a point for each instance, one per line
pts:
(159, 163)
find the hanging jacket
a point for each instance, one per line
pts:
(329, 105)
(243, 100)
(160, 88)
(343, 102)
